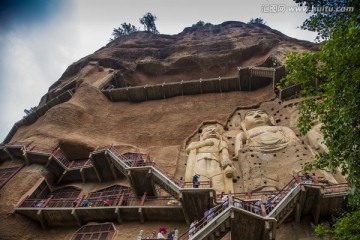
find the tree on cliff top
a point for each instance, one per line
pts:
(148, 20)
(123, 30)
(257, 21)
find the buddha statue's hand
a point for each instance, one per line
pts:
(209, 142)
(226, 162)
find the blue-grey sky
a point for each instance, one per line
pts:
(40, 38)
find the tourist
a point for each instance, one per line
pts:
(161, 233)
(85, 203)
(238, 204)
(39, 204)
(209, 214)
(171, 234)
(224, 200)
(306, 178)
(152, 236)
(257, 207)
(195, 181)
(192, 229)
(268, 205)
(107, 202)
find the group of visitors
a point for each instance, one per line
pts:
(307, 178)
(161, 234)
(269, 203)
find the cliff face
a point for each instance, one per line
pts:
(160, 127)
(197, 52)
(90, 119)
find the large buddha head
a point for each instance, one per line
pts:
(256, 118)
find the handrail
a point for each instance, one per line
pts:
(334, 188)
(18, 143)
(108, 87)
(61, 158)
(270, 209)
(142, 163)
(44, 150)
(114, 200)
(200, 224)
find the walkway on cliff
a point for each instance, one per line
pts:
(105, 164)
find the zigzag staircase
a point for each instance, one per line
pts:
(106, 164)
(144, 175)
(241, 219)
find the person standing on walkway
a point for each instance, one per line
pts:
(195, 181)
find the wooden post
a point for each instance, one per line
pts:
(41, 219)
(300, 204)
(121, 199)
(141, 215)
(143, 199)
(263, 209)
(316, 212)
(80, 201)
(118, 216)
(83, 178)
(77, 219)
(230, 199)
(25, 157)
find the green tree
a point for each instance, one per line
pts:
(346, 228)
(123, 30)
(257, 21)
(335, 99)
(199, 24)
(148, 20)
(329, 14)
(330, 79)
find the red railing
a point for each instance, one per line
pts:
(80, 163)
(202, 184)
(60, 157)
(104, 201)
(251, 195)
(143, 160)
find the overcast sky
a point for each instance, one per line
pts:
(40, 38)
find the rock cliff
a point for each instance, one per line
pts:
(161, 128)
